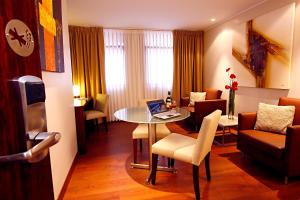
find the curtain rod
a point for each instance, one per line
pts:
(137, 29)
(133, 29)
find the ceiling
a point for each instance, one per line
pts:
(155, 14)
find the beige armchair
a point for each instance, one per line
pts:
(141, 132)
(100, 110)
(187, 149)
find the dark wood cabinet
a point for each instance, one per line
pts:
(80, 105)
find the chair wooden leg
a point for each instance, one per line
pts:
(286, 180)
(97, 124)
(141, 144)
(172, 161)
(154, 168)
(196, 181)
(207, 166)
(105, 123)
(134, 150)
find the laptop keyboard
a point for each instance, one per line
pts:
(168, 114)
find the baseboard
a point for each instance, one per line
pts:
(67, 181)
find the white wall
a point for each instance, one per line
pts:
(217, 56)
(60, 113)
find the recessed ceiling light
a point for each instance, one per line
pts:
(212, 19)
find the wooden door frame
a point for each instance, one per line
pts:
(19, 180)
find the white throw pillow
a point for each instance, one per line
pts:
(274, 118)
(196, 96)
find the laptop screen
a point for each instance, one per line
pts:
(156, 106)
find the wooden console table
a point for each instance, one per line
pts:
(80, 105)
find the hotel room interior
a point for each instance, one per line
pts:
(78, 79)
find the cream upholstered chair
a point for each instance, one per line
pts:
(187, 149)
(100, 110)
(141, 132)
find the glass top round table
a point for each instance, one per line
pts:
(142, 115)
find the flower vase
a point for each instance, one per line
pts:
(231, 104)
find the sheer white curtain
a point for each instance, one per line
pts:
(138, 64)
(114, 60)
(124, 73)
(159, 63)
(134, 51)
(115, 76)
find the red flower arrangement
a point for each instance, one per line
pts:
(233, 84)
(232, 87)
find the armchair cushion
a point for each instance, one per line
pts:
(184, 101)
(185, 154)
(94, 114)
(286, 101)
(267, 142)
(246, 120)
(141, 131)
(196, 96)
(212, 94)
(274, 118)
(171, 143)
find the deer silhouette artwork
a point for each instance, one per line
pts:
(256, 56)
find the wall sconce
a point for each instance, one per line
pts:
(76, 91)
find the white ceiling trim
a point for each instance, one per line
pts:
(157, 14)
(254, 11)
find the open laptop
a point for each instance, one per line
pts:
(159, 109)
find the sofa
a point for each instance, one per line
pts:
(201, 109)
(278, 151)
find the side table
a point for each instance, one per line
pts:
(80, 105)
(226, 124)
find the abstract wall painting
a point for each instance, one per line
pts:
(262, 49)
(50, 35)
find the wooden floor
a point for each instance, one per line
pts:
(105, 173)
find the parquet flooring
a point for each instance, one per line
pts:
(104, 173)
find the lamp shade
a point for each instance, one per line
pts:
(76, 91)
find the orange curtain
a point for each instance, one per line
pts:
(188, 62)
(87, 57)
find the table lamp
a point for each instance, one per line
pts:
(76, 91)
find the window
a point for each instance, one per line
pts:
(159, 59)
(114, 59)
(138, 64)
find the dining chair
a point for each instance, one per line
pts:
(100, 110)
(141, 132)
(189, 150)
